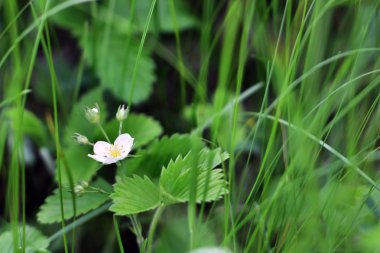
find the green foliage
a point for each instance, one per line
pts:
(203, 114)
(175, 235)
(36, 242)
(134, 195)
(31, 125)
(75, 156)
(74, 19)
(50, 211)
(176, 178)
(163, 21)
(114, 60)
(65, 78)
(150, 160)
(142, 128)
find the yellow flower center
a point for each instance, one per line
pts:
(114, 151)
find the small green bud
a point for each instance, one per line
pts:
(80, 139)
(93, 114)
(122, 113)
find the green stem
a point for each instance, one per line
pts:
(137, 230)
(104, 132)
(120, 126)
(117, 231)
(153, 226)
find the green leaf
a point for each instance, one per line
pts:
(50, 211)
(75, 17)
(36, 242)
(175, 235)
(151, 160)
(134, 195)
(141, 127)
(75, 157)
(31, 125)
(164, 23)
(176, 179)
(113, 61)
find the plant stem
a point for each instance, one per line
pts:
(120, 126)
(117, 231)
(104, 132)
(137, 230)
(153, 226)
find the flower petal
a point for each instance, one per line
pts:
(125, 141)
(110, 160)
(100, 148)
(98, 158)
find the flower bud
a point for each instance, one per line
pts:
(93, 114)
(122, 113)
(79, 190)
(80, 139)
(84, 184)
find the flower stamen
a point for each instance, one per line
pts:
(114, 151)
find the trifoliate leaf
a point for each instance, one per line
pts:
(36, 242)
(176, 179)
(50, 212)
(134, 195)
(151, 160)
(141, 127)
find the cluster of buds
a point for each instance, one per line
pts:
(80, 188)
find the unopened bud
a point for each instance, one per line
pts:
(84, 184)
(93, 114)
(79, 190)
(122, 113)
(80, 139)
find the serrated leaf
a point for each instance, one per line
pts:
(134, 195)
(176, 179)
(114, 62)
(50, 211)
(75, 156)
(141, 127)
(36, 242)
(151, 160)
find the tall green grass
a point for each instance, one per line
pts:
(299, 79)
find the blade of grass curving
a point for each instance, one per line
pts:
(48, 52)
(11, 99)
(117, 232)
(326, 146)
(30, 28)
(243, 53)
(134, 73)
(82, 220)
(179, 51)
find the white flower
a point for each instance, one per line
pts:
(107, 153)
(122, 113)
